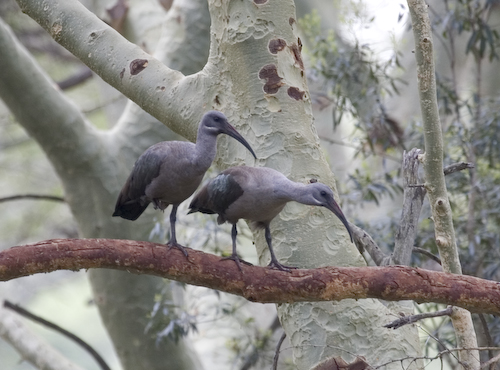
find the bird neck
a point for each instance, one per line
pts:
(291, 190)
(205, 149)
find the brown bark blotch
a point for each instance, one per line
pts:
(297, 55)
(276, 45)
(273, 82)
(291, 21)
(295, 93)
(137, 66)
(122, 73)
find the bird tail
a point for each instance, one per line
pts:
(129, 210)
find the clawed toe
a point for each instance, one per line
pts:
(237, 260)
(178, 246)
(278, 266)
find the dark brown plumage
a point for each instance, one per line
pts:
(258, 195)
(170, 171)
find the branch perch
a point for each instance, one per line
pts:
(257, 284)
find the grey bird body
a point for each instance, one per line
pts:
(258, 195)
(170, 171)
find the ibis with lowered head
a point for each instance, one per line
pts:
(258, 194)
(170, 171)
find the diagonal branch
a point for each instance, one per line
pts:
(255, 283)
(142, 78)
(23, 312)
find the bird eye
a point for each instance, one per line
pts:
(323, 193)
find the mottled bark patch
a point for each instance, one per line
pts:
(137, 66)
(122, 73)
(273, 82)
(56, 30)
(291, 21)
(295, 93)
(276, 45)
(217, 100)
(260, 2)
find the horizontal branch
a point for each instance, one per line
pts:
(255, 283)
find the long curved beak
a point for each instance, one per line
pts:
(231, 131)
(334, 207)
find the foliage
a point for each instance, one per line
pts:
(464, 29)
(169, 320)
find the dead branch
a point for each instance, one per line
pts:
(410, 319)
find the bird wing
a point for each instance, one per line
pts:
(217, 196)
(132, 202)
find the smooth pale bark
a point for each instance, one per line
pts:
(282, 133)
(434, 176)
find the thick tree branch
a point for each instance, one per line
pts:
(30, 347)
(255, 283)
(142, 78)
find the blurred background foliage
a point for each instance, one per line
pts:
(372, 117)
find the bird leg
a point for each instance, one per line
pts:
(172, 243)
(274, 264)
(158, 204)
(234, 256)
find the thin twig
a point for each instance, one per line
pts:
(277, 352)
(414, 318)
(252, 358)
(439, 355)
(491, 362)
(425, 252)
(32, 196)
(455, 167)
(489, 339)
(23, 312)
(80, 76)
(364, 242)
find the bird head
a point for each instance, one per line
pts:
(215, 123)
(322, 195)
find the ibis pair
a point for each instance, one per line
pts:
(169, 172)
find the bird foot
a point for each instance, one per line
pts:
(275, 265)
(172, 244)
(237, 260)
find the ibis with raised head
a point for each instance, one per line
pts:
(170, 171)
(258, 194)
